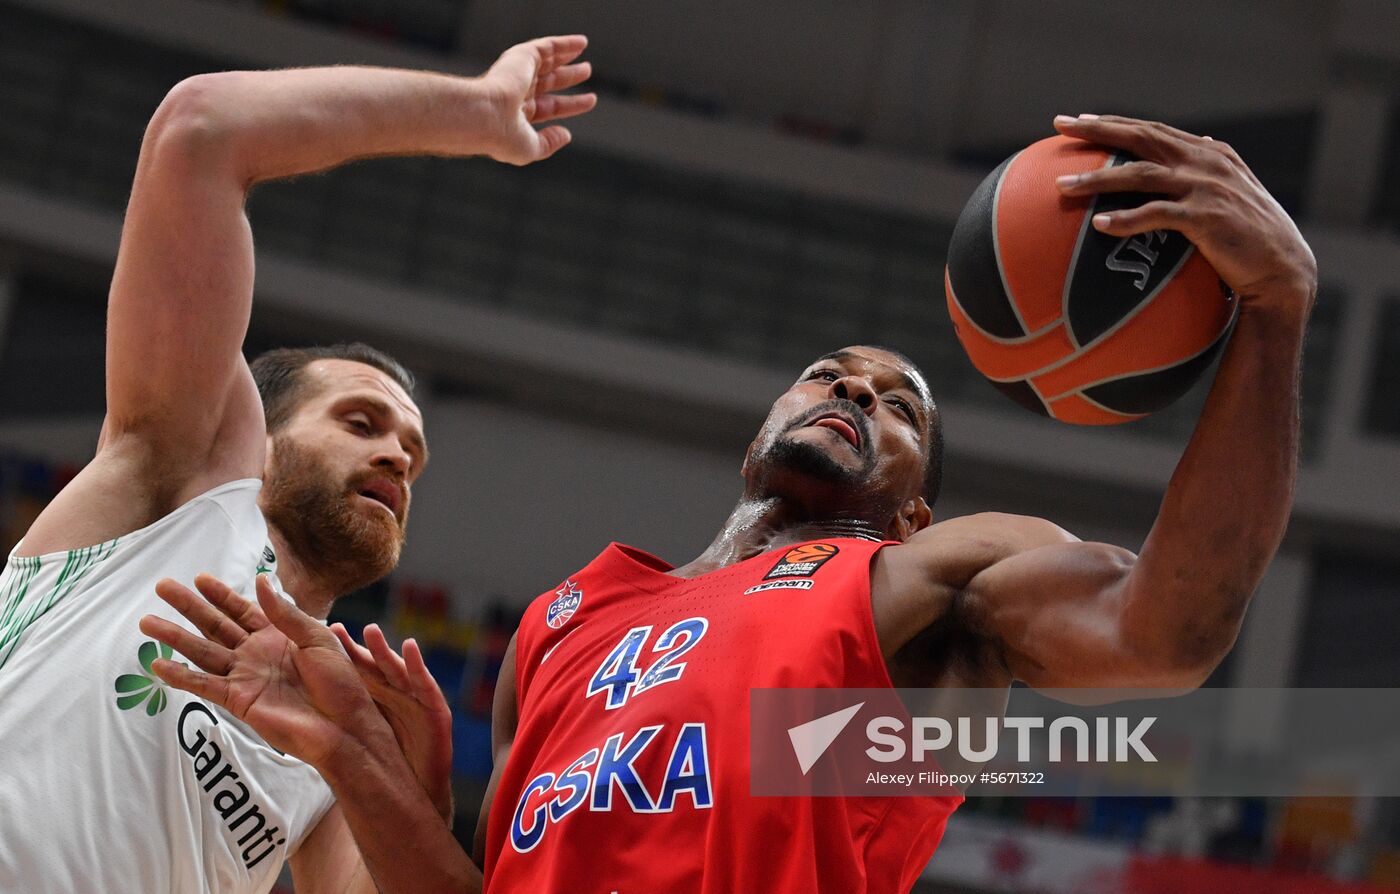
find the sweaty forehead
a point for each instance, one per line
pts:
(874, 361)
(333, 377)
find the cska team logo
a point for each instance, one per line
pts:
(566, 602)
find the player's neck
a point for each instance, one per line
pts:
(759, 525)
(309, 592)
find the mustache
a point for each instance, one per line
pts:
(848, 408)
(363, 478)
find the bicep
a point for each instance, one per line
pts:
(1061, 618)
(182, 289)
(504, 718)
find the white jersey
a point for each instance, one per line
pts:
(109, 780)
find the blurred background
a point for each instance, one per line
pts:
(599, 336)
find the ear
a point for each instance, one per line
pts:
(913, 517)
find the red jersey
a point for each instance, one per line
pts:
(630, 767)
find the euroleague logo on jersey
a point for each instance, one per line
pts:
(566, 601)
(795, 569)
(802, 561)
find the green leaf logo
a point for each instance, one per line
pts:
(133, 689)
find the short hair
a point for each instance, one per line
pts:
(282, 384)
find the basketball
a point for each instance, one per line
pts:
(1072, 323)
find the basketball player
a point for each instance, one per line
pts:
(110, 782)
(621, 727)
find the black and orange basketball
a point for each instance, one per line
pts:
(1070, 322)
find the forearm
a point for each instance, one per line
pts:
(404, 842)
(264, 125)
(1227, 506)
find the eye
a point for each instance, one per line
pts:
(825, 375)
(905, 408)
(359, 423)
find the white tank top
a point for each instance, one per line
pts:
(109, 780)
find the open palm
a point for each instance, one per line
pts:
(523, 86)
(274, 667)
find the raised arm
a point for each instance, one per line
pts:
(1069, 614)
(182, 410)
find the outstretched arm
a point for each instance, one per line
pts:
(183, 413)
(285, 675)
(1071, 614)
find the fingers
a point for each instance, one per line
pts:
(211, 622)
(1158, 215)
(565, 77)
(425, 688)
(1134, 176)
(210, 688)
(386, 659)
(359, 655)
(1165, 129)
(222, 596)
(208, 655)
(560, 49)
(1146, 139)
(550, 106)
(299, 627)
(379, 665)
(552, 139)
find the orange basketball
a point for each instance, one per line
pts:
(1067, 321)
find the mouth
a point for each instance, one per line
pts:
(840, 423)
(384, 492)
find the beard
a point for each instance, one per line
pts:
(817, 485)
(808, 459)
(784, 455)
(343, 546)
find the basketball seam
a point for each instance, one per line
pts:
(1074, 258)
(1020, 339)
(1040, 397)
(1156, 369)
(996, 245)
(1142, 305)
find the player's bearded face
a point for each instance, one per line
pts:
(823, 473)
(315, 509)
(784, 450)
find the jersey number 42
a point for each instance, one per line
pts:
(619, 676)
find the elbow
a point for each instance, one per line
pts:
(196, 122)
(1187, 657)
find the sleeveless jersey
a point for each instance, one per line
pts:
(109, 780)
(629, 771)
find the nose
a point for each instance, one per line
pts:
(391, 455)
(857, 390)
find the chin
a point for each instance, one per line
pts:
(813, 461)
(377, 544)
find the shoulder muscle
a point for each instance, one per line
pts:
(917, 582)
